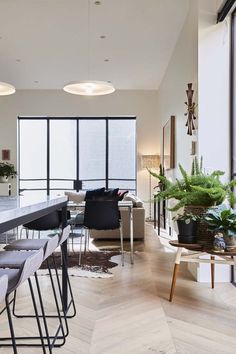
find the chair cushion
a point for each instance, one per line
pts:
(26, 245)
(13, 259)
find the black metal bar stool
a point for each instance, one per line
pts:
(15, 278)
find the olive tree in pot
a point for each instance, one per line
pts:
(223, 221)
(6, 170)
(187, 226)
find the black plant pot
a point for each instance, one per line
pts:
(187, 231)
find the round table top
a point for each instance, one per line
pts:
(198, 247)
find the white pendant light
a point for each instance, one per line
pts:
(89, 87)
(6, 89)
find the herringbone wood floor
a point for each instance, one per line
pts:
(130, 312)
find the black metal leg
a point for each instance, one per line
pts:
(36, 314)
(43, 312)
(60, 293)
(64, 261)
(11, 325)
(57, 305)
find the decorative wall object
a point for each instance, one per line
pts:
(6, 156)
(191, 106)
(168, 149)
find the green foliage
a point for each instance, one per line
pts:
(7, 170)
(222, 221)
(197, 188)
(186, 217)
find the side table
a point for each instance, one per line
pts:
(228, 258)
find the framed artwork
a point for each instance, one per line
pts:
(6, 155)
(168, 148)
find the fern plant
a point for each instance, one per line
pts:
(196, 188)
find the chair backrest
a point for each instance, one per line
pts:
(3, 287)
(48, 222)
(64, 235)
(30, 266)
(50, 246)
(102, 215)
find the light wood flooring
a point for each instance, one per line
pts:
(130, 313)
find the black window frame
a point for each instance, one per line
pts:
(77, 119)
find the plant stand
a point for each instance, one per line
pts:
(228, 258)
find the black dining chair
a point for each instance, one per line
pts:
(102, 215)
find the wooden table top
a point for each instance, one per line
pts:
(198, 247)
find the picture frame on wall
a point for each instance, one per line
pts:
(6, 155)
(168, 147)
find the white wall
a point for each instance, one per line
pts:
(58, 103)
(181, 70)
(214, 102)
(214, 84)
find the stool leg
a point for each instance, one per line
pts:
(176, 268)
(212, 272)
(61, 297)
(37, 316)
(43, 312)
(56, 301)
(11, 325)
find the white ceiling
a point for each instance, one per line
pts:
(47, 41)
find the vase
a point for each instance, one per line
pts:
(3, 179)
(230, 243)
(204, 236)
(219, 244)
(187, 231)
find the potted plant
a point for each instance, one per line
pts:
(197, 192)
(223, 221)
(6, 170)
(187, 226)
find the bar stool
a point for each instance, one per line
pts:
(15, 278)
(29, 245)
(14, 259)
(48, 222)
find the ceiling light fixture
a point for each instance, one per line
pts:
(6, 89)
(89, 87)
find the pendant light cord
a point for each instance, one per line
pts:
(89, 39)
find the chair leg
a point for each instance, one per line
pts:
(212, 272)
(37, 317)
(11, 325)
(122, 245)
(43, 312)
(56, 301)
(80, 251)
(61, 297)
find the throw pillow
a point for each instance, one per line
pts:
(76, 197)
(137, 202)
(94, 194)
(121, 194)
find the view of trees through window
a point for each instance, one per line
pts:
(54, 152)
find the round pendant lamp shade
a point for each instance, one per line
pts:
(6, 89)
(90, 88)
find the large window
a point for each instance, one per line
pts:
(55, 152)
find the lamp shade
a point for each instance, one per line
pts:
(150, 161)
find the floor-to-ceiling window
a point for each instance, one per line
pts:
(55, 152)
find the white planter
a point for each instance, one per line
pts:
(3, 179)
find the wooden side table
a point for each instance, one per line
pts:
(228, 258)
